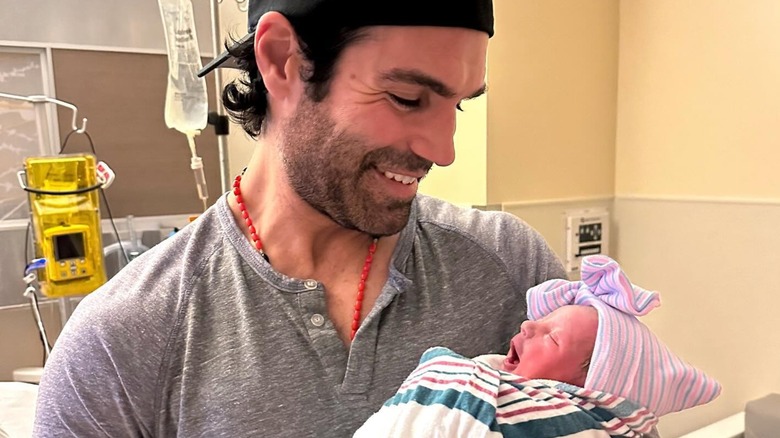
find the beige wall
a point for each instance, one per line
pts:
(552, 99)
(698, 111)
(715, 266)
(20, 344)
(699, 98)
(464, 181)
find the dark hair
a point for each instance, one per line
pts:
(245, 99)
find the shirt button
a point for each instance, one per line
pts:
(310, 284)
(318, 320)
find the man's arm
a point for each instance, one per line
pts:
(102, 377)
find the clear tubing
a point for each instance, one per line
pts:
(196, 164)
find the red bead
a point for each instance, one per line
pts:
(369, 259)
(245, 214)
(364, 275)
(360, 295)
(356, 316)
(352, 336)
(355, 325)
(362, 286)
(358, 305)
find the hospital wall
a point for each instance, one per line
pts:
(696, 199)
(697, 202)
(108, 59)
(663, 111)
(552, 100)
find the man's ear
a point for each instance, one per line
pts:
(278, 57)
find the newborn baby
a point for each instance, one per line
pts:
(583, 365)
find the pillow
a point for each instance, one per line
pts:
(17, 408)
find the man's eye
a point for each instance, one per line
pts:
(458, 107)
(408, 103)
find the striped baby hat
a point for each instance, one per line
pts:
(628, 359)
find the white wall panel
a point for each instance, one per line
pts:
(121, 24)
(715, 265)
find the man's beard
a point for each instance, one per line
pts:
(332, 171)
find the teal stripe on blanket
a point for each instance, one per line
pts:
(485, 413)
(452, 399)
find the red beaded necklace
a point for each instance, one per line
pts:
(259, 246)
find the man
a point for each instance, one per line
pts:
(299, 302)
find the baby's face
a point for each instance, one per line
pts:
(556, 347)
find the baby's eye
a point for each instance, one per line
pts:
(406, 103)
(552, 339)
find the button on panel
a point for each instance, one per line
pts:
(310, 284)
(318, 320)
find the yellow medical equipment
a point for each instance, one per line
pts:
(65, 215)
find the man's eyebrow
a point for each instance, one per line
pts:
(416, 77)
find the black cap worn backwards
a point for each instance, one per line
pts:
(469, 14)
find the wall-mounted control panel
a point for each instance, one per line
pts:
(587, 233)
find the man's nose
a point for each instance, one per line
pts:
(436, 140)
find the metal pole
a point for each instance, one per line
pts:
(224, 168)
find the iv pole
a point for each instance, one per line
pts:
(220, 109)
(46, 99)
(65, 305)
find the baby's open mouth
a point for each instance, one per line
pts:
(512, 358)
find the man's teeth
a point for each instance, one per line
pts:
(400, 178)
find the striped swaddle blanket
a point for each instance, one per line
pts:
(449, 395)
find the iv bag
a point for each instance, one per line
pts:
(186, 102)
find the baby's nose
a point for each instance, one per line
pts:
(527, 328)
